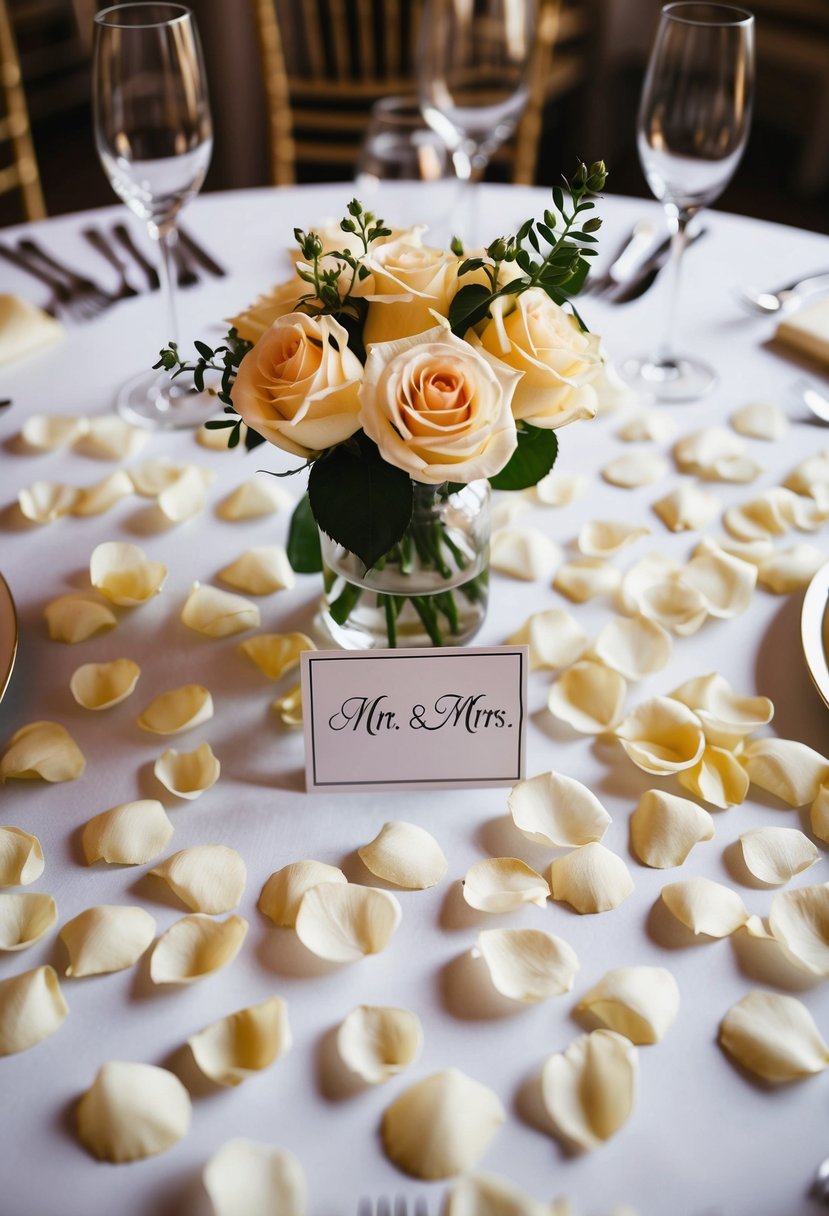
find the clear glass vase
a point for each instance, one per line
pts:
(431, 589)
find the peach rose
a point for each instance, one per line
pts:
(298, 386)
(532, 334)
(438, 407)
(252, 322)
(409, 283)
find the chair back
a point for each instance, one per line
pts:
(18, 164)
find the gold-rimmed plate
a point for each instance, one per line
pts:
(8, 635)
(814, 630)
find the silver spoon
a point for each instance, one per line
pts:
(765, 302)
(814, 400)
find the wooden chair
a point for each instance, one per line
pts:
(18, 164)
(325, 62)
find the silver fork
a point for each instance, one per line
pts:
(397, 1205)
(86, 299)
(101, 245)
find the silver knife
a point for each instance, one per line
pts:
(645, 276)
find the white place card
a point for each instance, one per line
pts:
(414, 719)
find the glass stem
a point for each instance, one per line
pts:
(678, 220)
(167, 235)
(469, 168)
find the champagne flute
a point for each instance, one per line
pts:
(154, 137)
(473, 67)
(693, 124)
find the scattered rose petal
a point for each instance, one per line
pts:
(647, 425)
(554, 639)
(633, 469)
(21, 858)
(790, 569)
(216, 439)
(588, 696)
(589, 1089)
(774, 855)
(405, 854)
(811, 476)
(718, 778)
(526, 554)
(123, 574)
(243, 1043)
(641, 1003)
(662, 736)
(507, 508)
(553, 809)
(129, 834)
(715, 454)
(441, 1126)
(785, 767)
(799, 920)
(95, 500)
(47, 432)
(282, 893)
(664, 828)
(487, 1195)
(501, 884)
(760, 420)
(177, 710)
(45, 501)
(590, 879)
(106, 938)
(604, 537)
(276, 653)
(195, 946)
(110, 438)
(705, 906)
(260, 571)
(687, 508)
(24, 918)
(132, 1111)
(153, 476)
(207, 877)
(774, 1036)
(254, 498)
(74, 618)
(769, 514)
(819, 815)
(344, 922)
(726, 716)
(633, 646)
(585, 578)
(188, 774)
(102, 685)
(527, 965)
(724, 582)
(377, 1041)
(558, 489)
(42, 749)
(289, 706)
(184, 497)
(32, 1007)
(248, 1179)
(217, 613)
(754, 551)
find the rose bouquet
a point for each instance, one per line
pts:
(406, 378)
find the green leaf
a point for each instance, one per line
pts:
(253, 439)
(532, 459)
(304, 540)
(218, 424)
(360, 501)
(558, 199)
(468, 307)
(204, 350)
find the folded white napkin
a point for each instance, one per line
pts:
(807, 331)
(24, 328)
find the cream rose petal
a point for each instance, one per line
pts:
(754, 551)
(557, 488)
(642, 1003)
(207, 877)
(243, 1043)
(811, 475)
(122, 573)
(282, 893)
(819, 814)
(153, 476)
(799, 920)
(129, 834)
(760, 420)
(487, 1195)
(585, 578)
(507, 508)
(662, 736)
(47, 432)
(526, 554)
(45, 501)
(774, 855)
(188, 774)
(177, 710)
(647, 425)
(633, 646)
(344, 922)
(276, 653)
(217, 613)
(785, 767)
(405, 854)
(726, 716)
(74, 618)
(501, 884)
(589, 1089)
(21, 857)
(106, 938)
(633, 469)
(653, 570)
(42, 749)
(378, 1041)
(554, 639)
(32, 1007)
(185, 496)
(441, 1126)
(102, 685)
(588, 696)
(248, 1179)
(715, 454)
(289, 707)
(95, 500)
(110, 438)
(194, 947)
(705, 906)
(24, 918)
(724, 582)
(774, 1036)
(687, 508)
(260, 571)
(790, 569)
(132, 1111)
(718, 778)
(553, 809)
(590, 879)
(604, 537)
(254, 498)
(527, 965)
(664, 828)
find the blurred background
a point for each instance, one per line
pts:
(261, 70)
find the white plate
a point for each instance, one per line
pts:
(814, 629)
(8, 635)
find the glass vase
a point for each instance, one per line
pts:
(431, 589)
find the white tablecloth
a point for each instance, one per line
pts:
(703, 1137)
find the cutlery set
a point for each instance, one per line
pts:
(80, 297)
(636, 266)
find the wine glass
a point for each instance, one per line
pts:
(693, 124)
(473, 68)
(154, 136)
